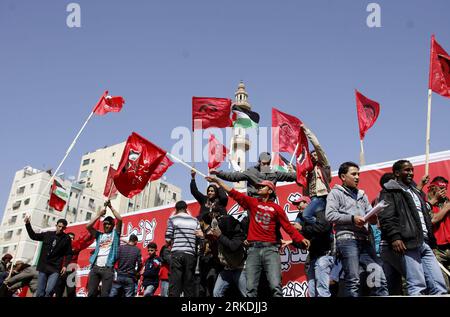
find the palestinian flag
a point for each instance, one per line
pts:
(280, 163)
(244, 118)
(58, 196)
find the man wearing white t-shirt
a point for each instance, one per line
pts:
(106, 252)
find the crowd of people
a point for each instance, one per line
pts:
(402, 250)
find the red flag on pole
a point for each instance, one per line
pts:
(211, 112)
(139, 161)
(285, 130)
(161, 169)
(110, 189)
(304, 163)
(108, 104)
(217, 152)
(58, 196)
(439, 80)
(368, 111)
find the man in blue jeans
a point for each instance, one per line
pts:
(406, 227)
(318, 180)
(129, 265)
(346, 207)
(56, 253)
(263, 237)
(320, 260)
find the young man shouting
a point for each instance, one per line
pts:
(263, 235)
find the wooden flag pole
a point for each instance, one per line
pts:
(362, 161)
(65, 157)
(427, 142)
(185, 164)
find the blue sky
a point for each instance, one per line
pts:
(303, 57)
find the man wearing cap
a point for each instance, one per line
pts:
(105, 253)
(440, 207)
(256, 174)
(301, 202)
(265, 217)
(129, 264)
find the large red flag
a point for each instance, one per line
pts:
(85, 239)
(161, 169)
(439, 80)
(304, 163)
(110, 189)
(211, 112)
(139, 161)
(217, 152)
(285, 130)
(108, 104)
(368, 111)
(58, 196)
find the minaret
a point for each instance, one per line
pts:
(239, 143)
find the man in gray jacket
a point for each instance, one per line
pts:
(256, 174)
(346, 207)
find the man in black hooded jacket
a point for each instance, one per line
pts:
(406, 227)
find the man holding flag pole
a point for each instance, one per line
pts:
(439, 82)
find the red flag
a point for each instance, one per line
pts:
(285, 130)
(110, 189)
(85, 239)
(212, 112)
(161, 169)
(217, 152)
(304, 163)
(58, 196)
(439, 80)
(368, 111)
(139, 161)
(108, 104)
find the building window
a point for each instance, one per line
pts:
(16, 205)
(12, 220)
(74, 210)
(20, 190)
(174, 196)
(5, 250)
(88, 216)
(114, 154)
(105, 168)
(32, 185)
(26, 201)
(90, 173)
(19, 232)
(83, 174)
(91, 204)
(86, 162)
(15, 247)
(93, 160)
(76, 195)
(8, 235)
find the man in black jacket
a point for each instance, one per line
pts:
(56, 253)
(406, 226)
(227, 236)
(320, 259)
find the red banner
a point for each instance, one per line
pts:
(150, 225)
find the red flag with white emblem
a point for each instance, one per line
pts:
(140, 160)
(108, 103)
(439, 80)
(211, 112)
